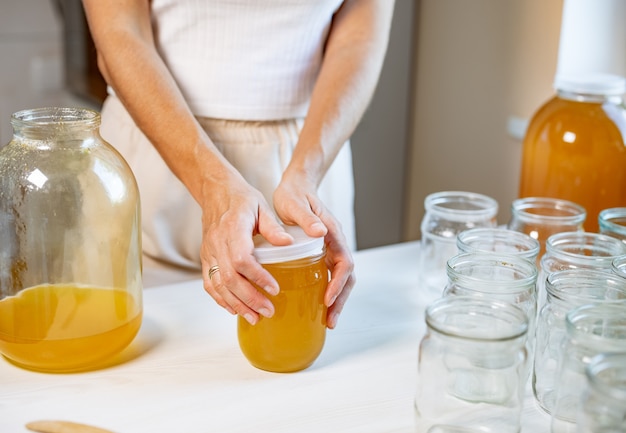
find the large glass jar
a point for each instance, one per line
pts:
(294, 336)
(70, 266)
(575, 149)
(566, 290)
(472, 365)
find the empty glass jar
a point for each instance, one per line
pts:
(573, 250)
(446, 215)
(499, 277)
(612, 222)
(541, 217)
(566, 290)
(603, 400)
(472, 367)
(70, 267)
(498, 241)
(590, 330)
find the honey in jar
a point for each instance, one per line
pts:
(574, 148)
(62, 328)
(294, 336)
(70, 233)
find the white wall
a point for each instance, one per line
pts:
(479, 64)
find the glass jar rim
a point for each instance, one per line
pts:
(510, 322)
(52, 116)
(606, 217)
(302, 247)
(583, 322)
(571, 213)
(584, 248)
(504, 261)
(569, 284)
(604, 364)
(466, 238)
(466, 206)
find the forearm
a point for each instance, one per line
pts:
(353, 59)
(134, 69)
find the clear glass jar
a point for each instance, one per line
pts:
(566, 290)
(573, 250)
(471, 367)
(618, 265)
(500, 277)
(541, 217)
(294, 336)
(612, 222)
(70, 268)
(499, 241)
(590, 330)
(574, 148)
(447, 214)
(603, 400)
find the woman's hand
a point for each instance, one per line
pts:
(297, 203)
(233, 212)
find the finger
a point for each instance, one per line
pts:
(271, 229)
(337, 307)
(209, 287)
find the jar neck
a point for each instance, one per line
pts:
(589, 98)
(490, 273)
(55, 124)
(581, 249)
(572, 288)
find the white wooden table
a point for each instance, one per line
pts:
(185, 373)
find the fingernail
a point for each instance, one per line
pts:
(332, 301)
(318, 226)
(333, 320)
(250, 318)
(271, 290)
(265, 312)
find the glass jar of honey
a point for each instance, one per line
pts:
(574, 148)
(70, 266)
(292, 339)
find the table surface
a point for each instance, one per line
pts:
(184, 371)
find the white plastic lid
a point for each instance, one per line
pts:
(303, 246)
(591, 84)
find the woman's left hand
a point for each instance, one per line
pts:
(297, 203)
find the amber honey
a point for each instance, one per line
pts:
(574, 150)
(63, 328)
(294, 336)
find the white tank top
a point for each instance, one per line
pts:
(244, 59)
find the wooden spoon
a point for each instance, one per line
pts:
(63, 427)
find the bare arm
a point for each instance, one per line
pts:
(232, 210)
(353, 59)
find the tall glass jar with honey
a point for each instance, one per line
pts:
(70, 262)
(575, 145)
(293, 338)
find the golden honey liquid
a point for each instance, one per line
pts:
(62, 328)
(293, 338)
(575, 151)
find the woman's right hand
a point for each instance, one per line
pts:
(233, 212)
